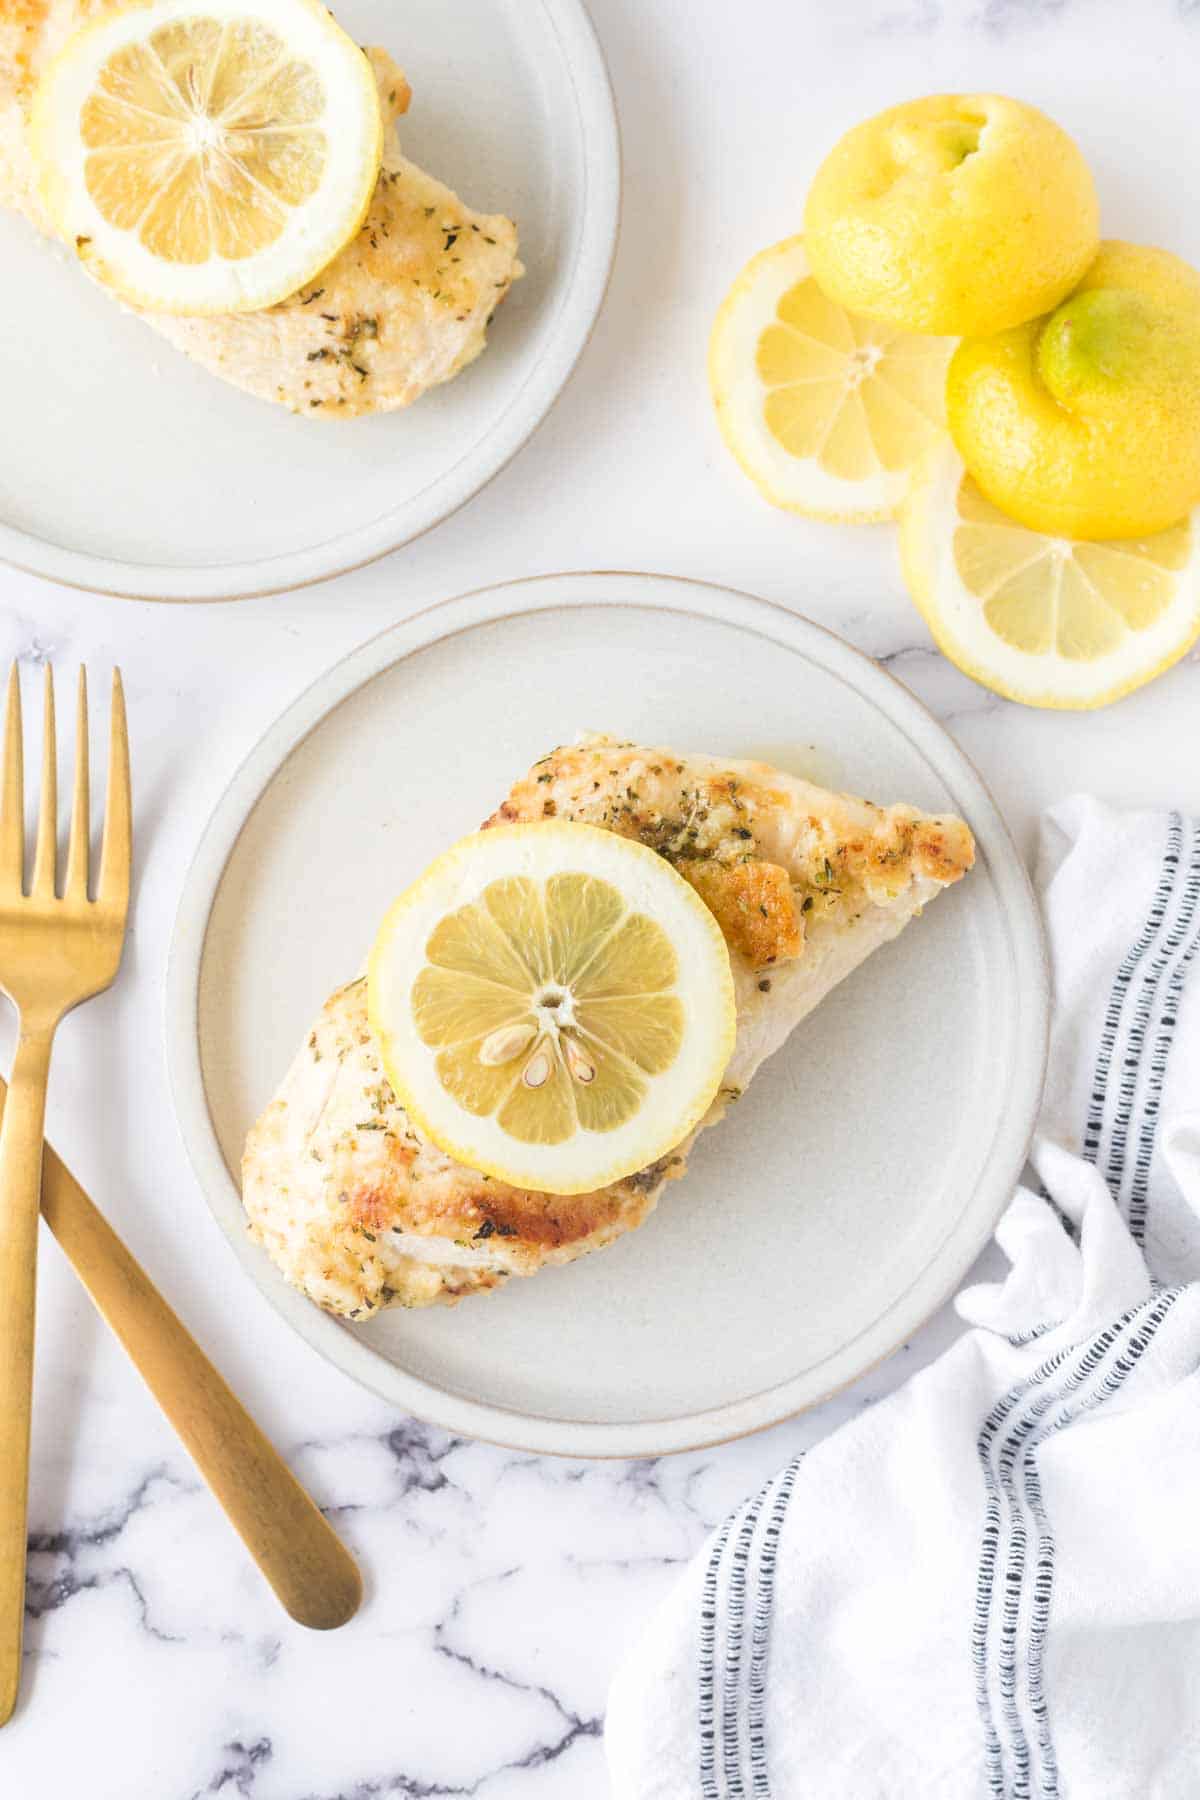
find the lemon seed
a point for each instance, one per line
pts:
(578, 1063)
(537, 1070)
(506, 1043)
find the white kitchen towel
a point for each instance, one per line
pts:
(988, 1585)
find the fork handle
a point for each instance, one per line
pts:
(302, 1557)
(20, 1190)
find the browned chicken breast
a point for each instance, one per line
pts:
(360, 1211)
(404, 307)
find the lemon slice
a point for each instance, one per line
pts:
(208, 155)
(825, 410)
(553, 1004)
(1048, 621)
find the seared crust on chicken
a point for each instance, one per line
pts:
(701, 809)
(402, 308)
(361, 1212)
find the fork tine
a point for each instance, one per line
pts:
(45, 855)
(81, 804)
(12, 791)
(116, 851)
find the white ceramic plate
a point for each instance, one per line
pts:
(127, 469)
(847, 1193)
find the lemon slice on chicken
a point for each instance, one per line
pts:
(825, 410)
(1048, 621)
(208, 156)
(553, 1005)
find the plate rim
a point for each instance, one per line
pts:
(567, 338)
(934, 1283)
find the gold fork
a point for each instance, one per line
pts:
(54, 954)
(301, 1556)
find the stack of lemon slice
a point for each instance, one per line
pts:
(972, 214)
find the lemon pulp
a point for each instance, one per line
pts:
(824, 409)
(548, 1004)
(553, 1005)
(202, 137)
(207, 158)
(855, 395)
(1043, 619)
(1072, 596)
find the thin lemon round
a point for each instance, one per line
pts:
(825, 411)
(1048, 621)
(208, 156)
(961, 213)
(553, 1004)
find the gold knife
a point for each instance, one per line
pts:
(313, 1574)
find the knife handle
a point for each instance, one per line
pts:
(313, 1574)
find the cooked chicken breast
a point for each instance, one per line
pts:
(32, 32)
(404, 307)
(361, 1212)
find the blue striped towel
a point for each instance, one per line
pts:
(988, 1586)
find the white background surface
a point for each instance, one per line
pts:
(501, 1589)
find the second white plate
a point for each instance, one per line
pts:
(847, 1193)
(128, 469)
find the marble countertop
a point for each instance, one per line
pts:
(501, 1587)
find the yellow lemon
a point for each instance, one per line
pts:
(825, 411)
(1049, 621)
(553, 1004)
(959, 213)
(208, 155)
(1087, 422)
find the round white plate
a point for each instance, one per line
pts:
(135, 472)
(844, 1197)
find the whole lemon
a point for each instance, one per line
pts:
(1087, 423)
(960, 214)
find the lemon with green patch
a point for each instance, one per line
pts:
(1086, 423)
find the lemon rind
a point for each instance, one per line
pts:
(934, 486)
(792, 484)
